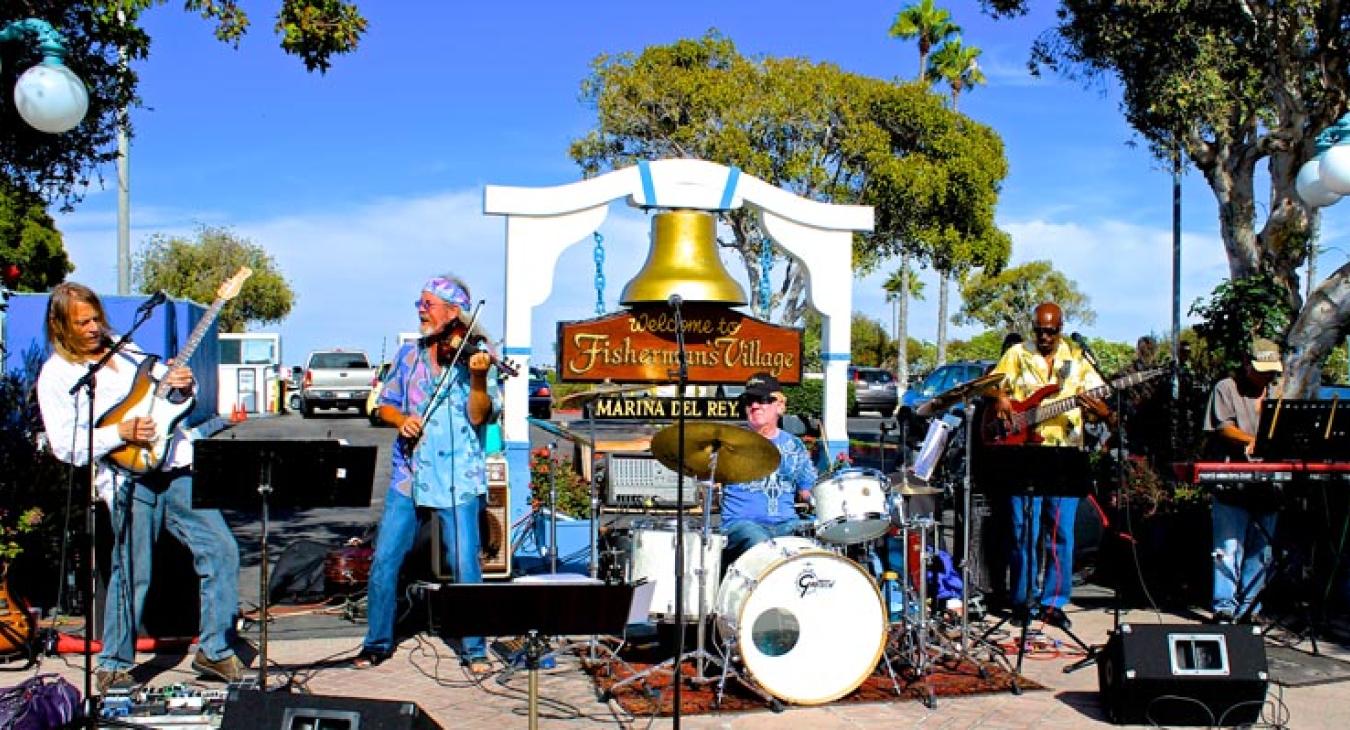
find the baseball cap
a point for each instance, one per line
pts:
(1265, 356)
(762, 385)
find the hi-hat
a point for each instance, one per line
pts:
(586, 396)
(742, 454)
(981, 386)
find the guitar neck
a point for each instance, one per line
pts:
(1050, 410)
(198, 333)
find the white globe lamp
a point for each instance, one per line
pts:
(1308, 185)
(1334, 169)
(51, 98)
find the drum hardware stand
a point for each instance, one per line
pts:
(729, 645)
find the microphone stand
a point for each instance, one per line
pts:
(87, 382)
(683, 379)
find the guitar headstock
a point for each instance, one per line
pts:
(230, 288)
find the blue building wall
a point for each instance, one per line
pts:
(164, 334)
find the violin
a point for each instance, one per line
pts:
(456, 337)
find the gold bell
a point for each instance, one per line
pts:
(683, 260)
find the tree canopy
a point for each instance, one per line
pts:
(196, 268)
(29, 240)
(815, 130)
(1004, 301)
(57, 166)
(1235, 86)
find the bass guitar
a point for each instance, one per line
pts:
(149, 397)
(1026, 414)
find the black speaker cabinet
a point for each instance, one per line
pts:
(254, 710)
(1183, 674)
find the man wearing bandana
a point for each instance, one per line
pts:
(441, 410)
(753, 512)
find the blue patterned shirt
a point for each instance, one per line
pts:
(769, 501)
(449, 456)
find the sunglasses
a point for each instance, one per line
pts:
(427, 306)
(760, 399)
(1045, 330)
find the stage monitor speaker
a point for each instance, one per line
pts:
(494, 535)
(1183, 674)
(254, 710)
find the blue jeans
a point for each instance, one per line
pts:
(1241, 537)
(1024, 564)
(398, 529)
(140, 509)
(744, 534)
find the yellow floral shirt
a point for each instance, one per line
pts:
(1028, 372)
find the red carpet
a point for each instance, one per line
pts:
(948, 680)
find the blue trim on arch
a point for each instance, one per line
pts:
(729, 192)
(510, 351)
(836, 356)
(648, 187)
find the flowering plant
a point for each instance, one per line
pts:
(574, 491)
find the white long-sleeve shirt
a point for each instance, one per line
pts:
(66, 417)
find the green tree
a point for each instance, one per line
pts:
(1004, 301)
(807, 127)
(957, 65)
(1237, 87)
(29, 239)
(871, 346)
(57, 166)
(196, 268)
(928, 25)
(988, 345)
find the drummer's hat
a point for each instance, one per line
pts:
(762, 385)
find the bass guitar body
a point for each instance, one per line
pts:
(1019, 430)
(144, 401)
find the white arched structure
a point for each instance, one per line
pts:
(542, 222)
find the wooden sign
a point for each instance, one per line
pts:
(666, 409)
(639, 346)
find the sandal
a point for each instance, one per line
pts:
(370, 658)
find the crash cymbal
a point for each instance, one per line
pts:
(909, 485)
(981, 386)
(604, 389)
(742, 454)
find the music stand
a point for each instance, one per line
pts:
(534, 610)
(1303, 430)
(227, 473)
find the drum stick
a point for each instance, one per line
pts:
(1331, 418)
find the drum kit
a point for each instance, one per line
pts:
(803, 619)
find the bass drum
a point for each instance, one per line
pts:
(808, 625)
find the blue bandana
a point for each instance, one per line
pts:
(448, 291)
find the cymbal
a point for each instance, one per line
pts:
(983, 385)
(586, 396)
(901, 485)
(742, 454)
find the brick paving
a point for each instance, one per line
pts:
(425, 671)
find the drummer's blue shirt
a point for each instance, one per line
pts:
(768, 501)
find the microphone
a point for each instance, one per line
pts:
(154, 301)
(1087, 351)
(675, 301)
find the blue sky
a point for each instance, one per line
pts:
(364, 181)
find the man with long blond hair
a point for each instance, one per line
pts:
(140, 504)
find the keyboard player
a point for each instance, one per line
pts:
(1243, 528)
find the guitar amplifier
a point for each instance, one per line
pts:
(494, 538)
(639, 480)
(1184, 674)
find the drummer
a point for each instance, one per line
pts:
(753, 512)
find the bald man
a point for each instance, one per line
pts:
(1047, 360)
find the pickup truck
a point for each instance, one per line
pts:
(335, 379)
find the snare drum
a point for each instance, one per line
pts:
(652, 557)
(808, 625)
(851, 506)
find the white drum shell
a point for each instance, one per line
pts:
(653, 558)
(837, 609)
(851, 507)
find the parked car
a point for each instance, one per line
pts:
(335, 379)
(377, 385)
(541, 395)
(874, 389)
(941, 379)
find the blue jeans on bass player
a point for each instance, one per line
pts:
(1025, 564)
(140, 509)
(1241, 537)
(398, 529)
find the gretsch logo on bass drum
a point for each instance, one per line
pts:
(807, 582)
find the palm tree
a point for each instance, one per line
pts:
(929, 25)
(955, 64)
(902, 285)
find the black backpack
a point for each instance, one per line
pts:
(298, 575)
